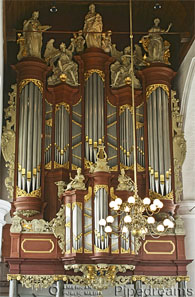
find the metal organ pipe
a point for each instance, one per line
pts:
(158, 141)
(94, 115)
(29, 148)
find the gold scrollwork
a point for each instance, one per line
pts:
(79, 251)
(153, 87)
(79, 204)
(49, 122)
(97, 187)
(23, 193)
(112, 195)
(88, 163)
(65, 165)
(139, 167)
(97, 250)
(39, 240)
(66, 106)
(154, 195)
(123, 107)
(48, 165)
(91, 71)
(36, 82)
(88, 195)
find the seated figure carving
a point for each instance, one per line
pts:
(64, 68)
(125, 182)
(121, 70)
(77, 183)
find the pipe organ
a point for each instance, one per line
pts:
(75, 129)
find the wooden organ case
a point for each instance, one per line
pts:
(63, 127)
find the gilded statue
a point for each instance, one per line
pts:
(106, 41)
(121, 70)
(77, 43)
(64, 68)
(92, 28)
(101, 161)
(31, 41)
(155, 46)
(179, 146)
(125, 182)
(77, 182)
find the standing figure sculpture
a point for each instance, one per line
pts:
(154, 44)
(93, 24)
(32, 33)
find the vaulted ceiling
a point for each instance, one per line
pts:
(115, 14)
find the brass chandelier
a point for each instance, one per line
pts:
(136, 215)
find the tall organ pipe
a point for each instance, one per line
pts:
(21, 125)
(35, 139)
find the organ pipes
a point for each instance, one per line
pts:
(29, 145)
(126, 136)
(100, 212)
(94, 116)
(48, 132)
(158, 142)
(62, 133)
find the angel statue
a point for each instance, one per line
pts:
(77, 182)
(125, 182)
(153, 43)
(31, 41)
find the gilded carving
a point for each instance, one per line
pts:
(110, 272)
(8, 140)
(57, 165)
(154, 195)
(97, 187)
(61, 187)
(98, 276)
(101, 161)
(58, 227)
(27, 213)
(160, 282)
(23, 193)
(91, 71)
(36, 82)
(66, 106)
(153, 87)
(88, 195)
(179, 146)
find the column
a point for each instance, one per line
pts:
(5, 207)
(60, 288)
(13, 288)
